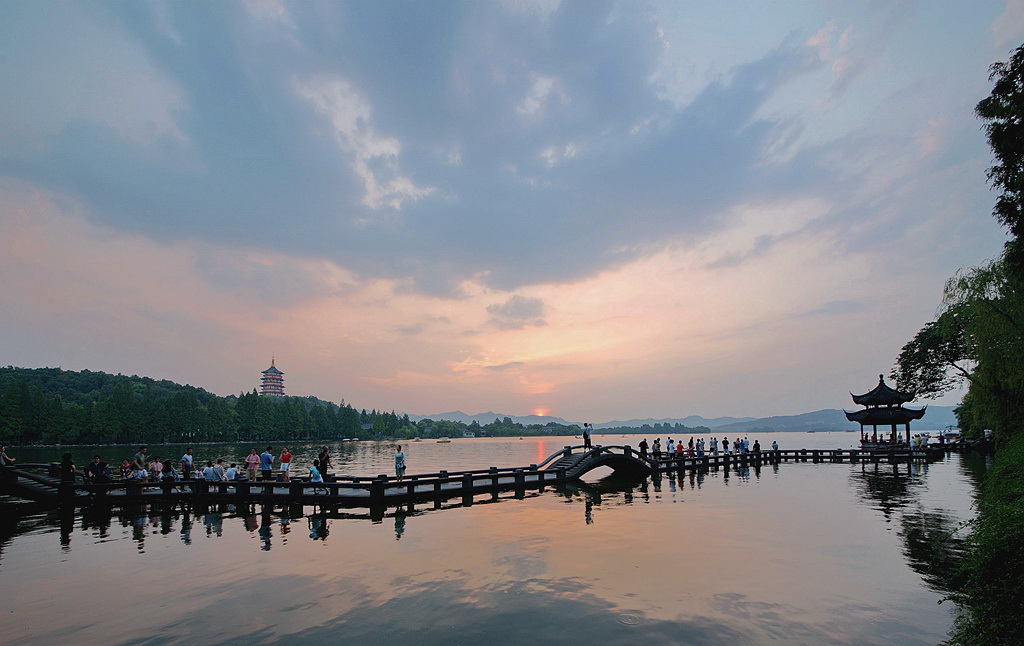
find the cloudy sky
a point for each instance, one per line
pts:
(595, 210)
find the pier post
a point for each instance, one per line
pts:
(66, 491)
(814, 456)
(561, 474)
(494, 476)
(295, 488)
(377, 491)
(467, 488)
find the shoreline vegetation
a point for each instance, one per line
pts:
(977, 339)
(56, 407)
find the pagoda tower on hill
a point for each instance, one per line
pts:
(883, 406)
(272, 381)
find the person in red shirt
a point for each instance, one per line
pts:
(286, 463)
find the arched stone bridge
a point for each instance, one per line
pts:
(623, 460)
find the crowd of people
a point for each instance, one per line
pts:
(699, 448)
(141, 467)
(255, 467)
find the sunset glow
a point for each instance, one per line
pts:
(713, 226)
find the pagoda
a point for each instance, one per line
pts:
(272, 381)
(883, 406)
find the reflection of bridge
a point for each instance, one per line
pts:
(40, 482)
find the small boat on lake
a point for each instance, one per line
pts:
(443, 440)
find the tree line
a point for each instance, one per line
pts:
(55, 406)
(977, 340)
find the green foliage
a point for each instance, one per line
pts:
(1002, 111)
(930, 364)
(992, 593)
(978, 336)
(50, 405)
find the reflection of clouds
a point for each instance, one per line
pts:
(511, 613)
(521, 559)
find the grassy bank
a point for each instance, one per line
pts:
(991, 589)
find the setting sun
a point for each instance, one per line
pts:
(540, 411)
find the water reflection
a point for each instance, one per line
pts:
(931, 543)
(675, 558)
(888, 487)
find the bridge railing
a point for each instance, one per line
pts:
(419, 485)
(595, 452)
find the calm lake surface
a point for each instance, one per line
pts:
(798, 553)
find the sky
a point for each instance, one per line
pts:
(593, 210)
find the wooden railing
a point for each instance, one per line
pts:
(381, 490)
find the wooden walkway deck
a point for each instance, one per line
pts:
(37, 481)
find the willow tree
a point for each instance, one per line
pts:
(977, 337)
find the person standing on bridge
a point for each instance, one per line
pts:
(186, 464)
(315, 477)
(325, 461)
(139, 460)
(67, 468)
(586, 435)
(657, 448)
(267, 463)
(252, 463)
(286, 463)
(399, 462)
(156, 469)
(643, 447)
(5, 460)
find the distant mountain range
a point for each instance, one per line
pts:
(829, 419)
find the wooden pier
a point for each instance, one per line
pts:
(40, 482)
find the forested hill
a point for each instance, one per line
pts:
(51, 405)
(85, 386)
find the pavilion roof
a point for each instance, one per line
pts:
(882, 395)
(885, 416)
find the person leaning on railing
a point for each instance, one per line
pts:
(97, 471)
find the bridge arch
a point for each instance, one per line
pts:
(623, 460)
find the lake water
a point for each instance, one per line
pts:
(798, 553)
